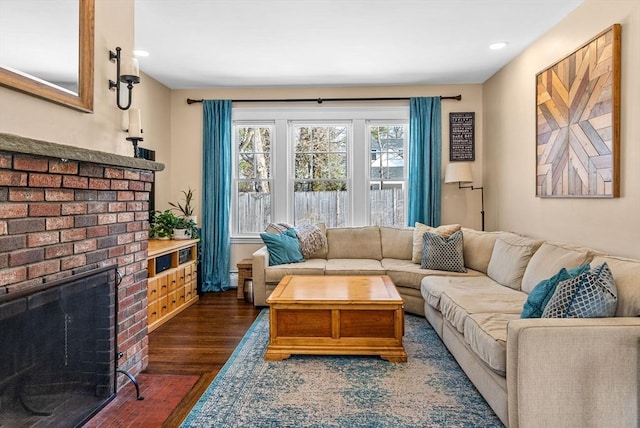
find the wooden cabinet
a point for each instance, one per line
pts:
(172, 279)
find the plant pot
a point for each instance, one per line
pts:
(181, 234)
(192, 217)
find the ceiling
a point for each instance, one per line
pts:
(243, 43)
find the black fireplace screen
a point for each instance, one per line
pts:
(57, 359)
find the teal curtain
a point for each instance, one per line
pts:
(425, 156)
(216, 194)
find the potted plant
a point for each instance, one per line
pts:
(183, 228)
(187, 208)
(162, 224)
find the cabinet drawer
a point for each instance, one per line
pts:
(188, 273)
(181, 277)
(172, 280)
(153, 313)
(172, 301)
(163, 285)
(152, 289)
(182, 292)
(163, 306)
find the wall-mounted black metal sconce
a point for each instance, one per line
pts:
(130, 75)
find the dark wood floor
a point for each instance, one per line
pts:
(199, 341)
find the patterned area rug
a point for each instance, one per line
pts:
(430, 390)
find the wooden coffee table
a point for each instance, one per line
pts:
(336, 315)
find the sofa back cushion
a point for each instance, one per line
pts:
(549, 259)
(626, 274)
(446, 230)
(354, 243)
(397, 243)
(509, 259)
(478, 247)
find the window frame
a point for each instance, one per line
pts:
(282, 154)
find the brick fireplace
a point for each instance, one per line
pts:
(66, 210)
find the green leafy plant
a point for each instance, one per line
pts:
(162, 224)
(187, 208)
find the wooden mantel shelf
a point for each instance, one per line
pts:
(17, 144)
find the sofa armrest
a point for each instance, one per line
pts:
(573, 372)
(260, 262)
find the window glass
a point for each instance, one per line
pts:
(320, 173)
(253, 181)
(387, 169)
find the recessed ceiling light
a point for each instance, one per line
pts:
(497, 45)
(138, 52)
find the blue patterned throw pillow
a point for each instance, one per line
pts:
(592, 294)
(440, 253)
(283, 248)
(542, 293)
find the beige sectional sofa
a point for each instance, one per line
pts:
(532, 372)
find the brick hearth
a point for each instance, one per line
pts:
(75, 212)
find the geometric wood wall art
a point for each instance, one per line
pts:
(578, 118)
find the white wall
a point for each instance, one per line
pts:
(509, 109)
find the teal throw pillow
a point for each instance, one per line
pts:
(542, 293)
(283, 248)
(592, 294)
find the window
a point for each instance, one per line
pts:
(320, 173)
(387, 176)
(340, 166)
(252, 178)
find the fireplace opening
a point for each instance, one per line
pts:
(58, 354)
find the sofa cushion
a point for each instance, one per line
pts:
(549, 259)
(542, 293)
(354, 243)
(283, 247)
(591, 294)
(478, 247)
(486, 334)
(273, 274)
(432, 287)
(353, 267)
(418, 231)
(626, 274)
(321, 253)
(277, 228)
(457, 305)
(440, 253)
(397, 243)
(311, 239)
(509, 259)
(404, 273)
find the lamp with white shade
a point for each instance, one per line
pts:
(460, 172)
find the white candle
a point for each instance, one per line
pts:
(130, 68)
(135, 124)
(124, 125)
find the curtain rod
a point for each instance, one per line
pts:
(321, 100)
